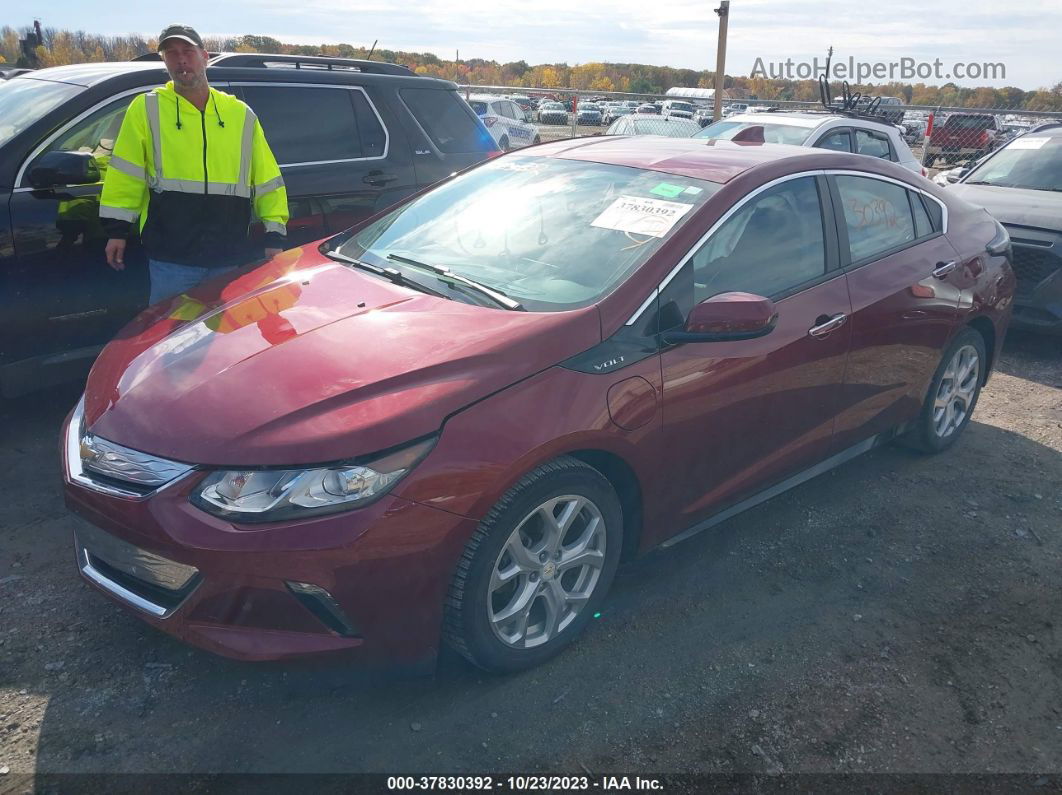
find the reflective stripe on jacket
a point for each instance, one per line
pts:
(191, 180)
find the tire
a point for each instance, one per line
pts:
(537, 140)
(957, 384)
(504, 143)
(528, 616)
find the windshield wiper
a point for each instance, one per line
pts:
(446, 274)
(392, 275)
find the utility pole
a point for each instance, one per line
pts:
(720, 58)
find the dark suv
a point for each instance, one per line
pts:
(351, 137)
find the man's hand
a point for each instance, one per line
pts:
(116, 253)
(272, 252)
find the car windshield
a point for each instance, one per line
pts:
(772, 132)
(479, 106)
(552, 234)
(24, 100)
(1027, 162)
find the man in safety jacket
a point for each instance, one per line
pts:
(189, 166)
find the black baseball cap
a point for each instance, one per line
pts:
(180, 32)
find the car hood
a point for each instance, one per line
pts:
(1019, 206)
(304, 360)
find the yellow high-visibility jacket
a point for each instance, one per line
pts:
(190, 179)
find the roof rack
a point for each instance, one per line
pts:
(316, 62)
(154, 56)
(854, 106)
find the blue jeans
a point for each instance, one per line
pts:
(169, 278)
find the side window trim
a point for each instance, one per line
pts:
(844, 249)
(368, 100)
(64, 129)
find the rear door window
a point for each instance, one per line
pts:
(875, 144)
(447, 120)
(836, 140)
(311, 125)
(877, 217)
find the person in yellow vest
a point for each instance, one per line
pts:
(190, 166)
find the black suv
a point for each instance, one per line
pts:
(351, 138)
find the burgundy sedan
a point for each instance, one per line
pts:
(451, 423)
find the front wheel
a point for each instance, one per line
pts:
(536, 569)
(504, 144)
(537, 140)
(952, 395)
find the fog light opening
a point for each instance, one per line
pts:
(319, 602)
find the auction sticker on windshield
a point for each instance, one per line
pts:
(1027, 143)
(640, 216)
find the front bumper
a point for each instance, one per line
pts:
(367, 584)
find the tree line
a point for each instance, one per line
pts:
(62, 47)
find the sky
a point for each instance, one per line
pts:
(1020, 34)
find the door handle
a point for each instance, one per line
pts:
(944, 268)
(827, 324)
(378, 178)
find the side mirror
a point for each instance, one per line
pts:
(726, 317)
(64, 168)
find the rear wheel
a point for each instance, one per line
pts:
(504, 143)
(537, 140)
(536, 568)
(952, 395)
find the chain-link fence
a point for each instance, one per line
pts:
(946, 139)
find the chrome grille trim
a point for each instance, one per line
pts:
(115, 461)
(143, 473)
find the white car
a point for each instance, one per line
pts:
(504, 120)
(678, 108)
(819, 129)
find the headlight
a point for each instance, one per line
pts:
(269, 495)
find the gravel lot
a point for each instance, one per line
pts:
(898, 614)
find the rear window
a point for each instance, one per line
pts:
(478, 106)
(969, 122)
(682, 106)
(445, 119)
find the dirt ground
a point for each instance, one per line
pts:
(899, 614)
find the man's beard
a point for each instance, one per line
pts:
(190, 80)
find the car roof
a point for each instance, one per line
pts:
(698, 158)
(92, 74)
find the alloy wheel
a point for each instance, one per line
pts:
(546, 571)
(957, 390)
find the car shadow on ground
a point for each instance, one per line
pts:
(1032, 356)
(803, 597)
